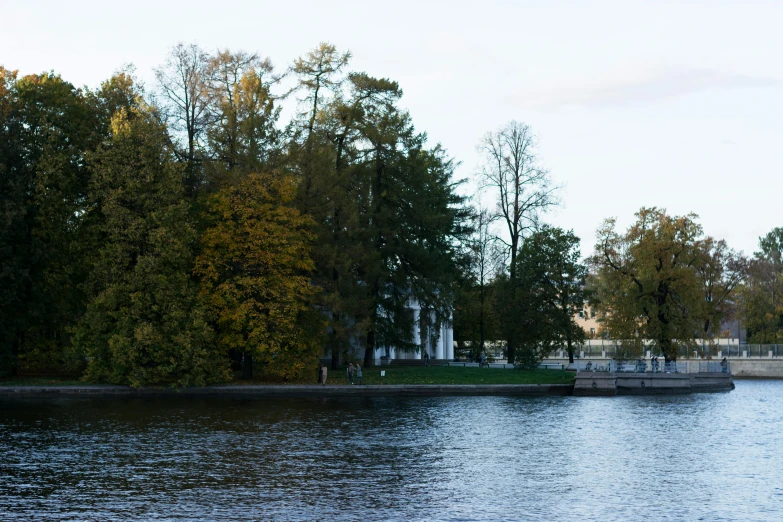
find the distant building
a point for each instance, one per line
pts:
(587, 319)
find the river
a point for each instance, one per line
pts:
(696, 457)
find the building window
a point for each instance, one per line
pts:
(592, 331)
(581, 314)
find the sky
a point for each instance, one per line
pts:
(674, 104)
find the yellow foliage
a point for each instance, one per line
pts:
(254, 268)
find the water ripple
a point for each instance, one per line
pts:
(701, 457)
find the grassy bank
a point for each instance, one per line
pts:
(40, 381)
(394, 375)
(455, 375)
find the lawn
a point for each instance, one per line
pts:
(394, 375)
(455, 375)
(40, 381)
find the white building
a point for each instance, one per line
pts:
(435, 339)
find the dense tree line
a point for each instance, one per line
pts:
(171, 234)
(156, 236)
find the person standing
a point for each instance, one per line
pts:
(323, 375)
(359, 374)
(426, 359)
(350, 373)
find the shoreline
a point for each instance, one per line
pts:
(293, 390)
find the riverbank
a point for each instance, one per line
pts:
(293, 390)
(400, 375)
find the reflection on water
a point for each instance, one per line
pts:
(697, 457)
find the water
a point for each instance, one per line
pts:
(701, 457)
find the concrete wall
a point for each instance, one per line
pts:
(608, 384)
(761, 368)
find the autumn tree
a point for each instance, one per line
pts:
(762, 293)
(650, 287)
(143, 324)
(255, 276)
(523, 191)
(242, 137)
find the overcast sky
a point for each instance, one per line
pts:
(672, 104)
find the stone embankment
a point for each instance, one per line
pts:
(264, 391)
(604, 384)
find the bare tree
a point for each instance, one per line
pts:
(523, 188)
(182, 85)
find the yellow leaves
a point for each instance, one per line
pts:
(254, 269)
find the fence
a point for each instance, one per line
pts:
(611, 348)
(642, 366)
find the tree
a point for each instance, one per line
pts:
(143, 324)
(523, 188)
(319, 152)
(547, 292)
(318, 71)
(14, 272)
(385, 211)
(649, 284)
(242, 137)
(475, 320)
(254, 268)
(410, 219)
(762, 293)
(721, 270)
(182, 83)
(47, 126)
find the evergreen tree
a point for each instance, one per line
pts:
(143, 325)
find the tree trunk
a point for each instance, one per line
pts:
(570, 349)
(511, 349)
(247, 366)
(369, 351)
(335, 351)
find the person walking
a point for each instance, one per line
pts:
(359, 374)
(350, 373)
(426, 359)
(323, 375)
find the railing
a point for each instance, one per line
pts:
(610, 350)
(642, 366)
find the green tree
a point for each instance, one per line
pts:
(649, 287)
(762, 294)
(538, 311)
(384, 207)
(254, 268)
(720, 271)
(475, 320)
(47, 127)
(143, 324)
